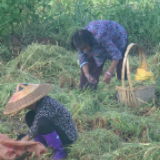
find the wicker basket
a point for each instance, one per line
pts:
(134, 96)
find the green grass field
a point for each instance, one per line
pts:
(107, 129)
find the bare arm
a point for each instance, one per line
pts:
(86, 70)
(109, 73)
(113, 66)
(88, 76)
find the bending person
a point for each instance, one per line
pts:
(98, 41)
(49, 121)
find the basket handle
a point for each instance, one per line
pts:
(126, 64)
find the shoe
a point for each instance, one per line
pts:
(54, 142)
(40, 139)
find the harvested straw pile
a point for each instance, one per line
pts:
(91, 145)
(44, 63)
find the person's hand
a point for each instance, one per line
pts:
(20, 136)
(25, 139)
(91, 79)
(107, 78)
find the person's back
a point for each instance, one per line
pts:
(59, 115)
(49, 122)
(103, 30)
(98, 41)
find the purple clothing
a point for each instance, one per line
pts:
(110, 40)
(54, 142)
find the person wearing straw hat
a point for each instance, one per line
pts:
(49, 121)
(98, 41)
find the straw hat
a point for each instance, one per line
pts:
(25, 95)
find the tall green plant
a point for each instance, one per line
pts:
(13, 13)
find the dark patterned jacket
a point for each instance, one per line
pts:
(110, 40)
(58, 114)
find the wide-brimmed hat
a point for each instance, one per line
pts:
(25, 95)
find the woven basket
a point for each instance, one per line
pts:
(134, 96)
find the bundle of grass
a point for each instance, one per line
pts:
(100, 121)
(67, 80)
(85, 123)
(95, 143)
(47, 62)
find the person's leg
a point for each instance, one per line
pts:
(65, 140)
(47, 130)
(119, 69)
(45, 126)
(29, 120)
(119, 65)
(93, 71)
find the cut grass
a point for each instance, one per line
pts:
(106, 128)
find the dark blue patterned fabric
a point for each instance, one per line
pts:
(110, 40)
(57, 113)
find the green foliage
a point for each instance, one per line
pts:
(13, 12)
(59, 19)
(5, 54)
(141, 19)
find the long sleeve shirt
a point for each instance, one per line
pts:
(57, 113)
(110, 40)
